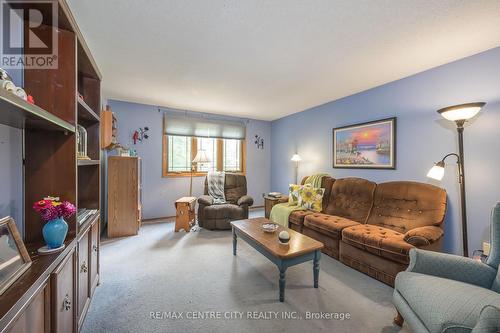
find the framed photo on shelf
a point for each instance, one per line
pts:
(370, 145)
(14, 258)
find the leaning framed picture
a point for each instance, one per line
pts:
(14, 258)
(370, 145)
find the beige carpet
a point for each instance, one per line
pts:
(161, 281)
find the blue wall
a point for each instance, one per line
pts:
(422, 137)
(159, 194)
(11, 174)
(11, 166)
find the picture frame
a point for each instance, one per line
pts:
(14, 258)
(369, 145)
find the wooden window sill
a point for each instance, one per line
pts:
(184, 174)
(195, 174)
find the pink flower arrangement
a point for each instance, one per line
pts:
(51, 208)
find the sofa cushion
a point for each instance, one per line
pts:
(443, 304)
(351, 198)
(402, 205)
(332, 225)
(377, 240)
(235, 186)
(327, 183)
(297, 216)
(224, 211)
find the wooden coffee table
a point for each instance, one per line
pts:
(300, 248)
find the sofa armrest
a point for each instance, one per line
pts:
(205, 200)
(245, 200)
(423, 236)
(489, 320)
(452, 267)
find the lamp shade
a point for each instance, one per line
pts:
(201, 157)
(296, 158)
(461, 112)
(437, 171)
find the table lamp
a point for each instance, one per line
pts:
(200, 158)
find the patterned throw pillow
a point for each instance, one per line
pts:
(311, 198)
(293, 196)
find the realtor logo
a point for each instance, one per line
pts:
(28, 34)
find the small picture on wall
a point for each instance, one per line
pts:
(370, 145)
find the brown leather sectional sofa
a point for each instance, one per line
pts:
(372, 227)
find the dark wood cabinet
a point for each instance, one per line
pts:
(83, 276)
(94, 256)
(63, 295)
(36, 317)
(54, 293)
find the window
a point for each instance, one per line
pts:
(178, 152)
(209, 145)
(231, 160)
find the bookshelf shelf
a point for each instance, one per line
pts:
(85, 112)
(16, 112)
(88, 162)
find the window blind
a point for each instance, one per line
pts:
(202, 127)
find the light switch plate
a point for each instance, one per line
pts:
(486, 248)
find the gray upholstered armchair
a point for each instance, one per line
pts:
(218, 216)
(446, 293)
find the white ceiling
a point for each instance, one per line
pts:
(265, 59)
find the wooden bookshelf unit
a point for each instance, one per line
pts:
(53, 295)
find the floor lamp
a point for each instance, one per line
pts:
(296, 158)
(459, 114)
(200, 158)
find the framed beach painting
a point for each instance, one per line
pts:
(370, 145)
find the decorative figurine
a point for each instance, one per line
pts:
(7, 84)
(81, 140)
(284, 237)
(4, 75)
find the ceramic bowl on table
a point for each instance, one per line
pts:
(269, 227)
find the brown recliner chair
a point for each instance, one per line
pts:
(218, 216)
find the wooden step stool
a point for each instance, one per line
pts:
(185, 215)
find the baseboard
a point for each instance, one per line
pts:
(158, 220)
(165, 218)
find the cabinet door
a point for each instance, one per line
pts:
(36, 317)
(83, 277)
(123, 196)
(94, 256)
(62, 286)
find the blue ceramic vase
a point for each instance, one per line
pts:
(54, 232)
